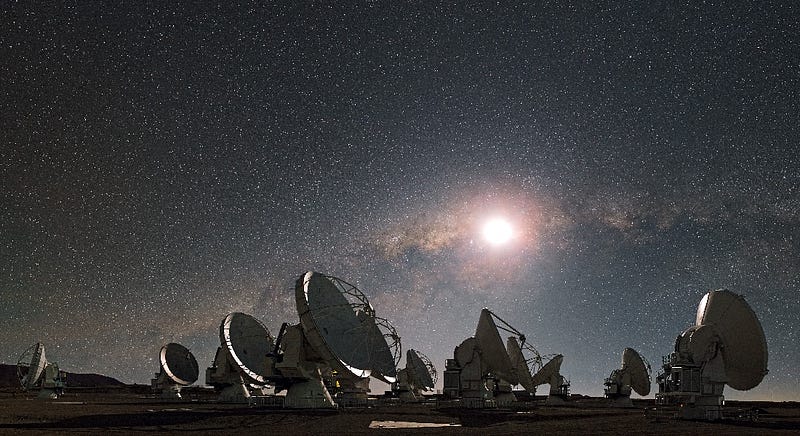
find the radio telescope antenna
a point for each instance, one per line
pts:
(339, 335)
(725, 346)
(418, 376)
(634, 374)
(482, 372)
(551, 374)
(35, 372)
(521, 365)
(30, 366)
(178, 368)
(350, 391)
(495, 357)
(242, 358)
(390, 336)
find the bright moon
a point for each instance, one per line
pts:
(497, 231)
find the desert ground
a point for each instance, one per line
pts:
(132, 411)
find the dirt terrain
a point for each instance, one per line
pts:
(121, 411)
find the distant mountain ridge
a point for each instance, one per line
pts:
(8, 378)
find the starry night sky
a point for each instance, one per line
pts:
(166, 164)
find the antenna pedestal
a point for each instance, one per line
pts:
(615, 387)
(47, 394)
(473, 384)
(352, 392)
(559, 391)
(618, 393)
(618, 387)
(220, 375)
(408, 396)
(172, 392)
(309, 394)
(302, 378)
(161, 386)
(52, 382)
(403, 388)
(685, 385)
(476, 392)
(503, 394)
(226, 380)
(296, 360)
(236, 393)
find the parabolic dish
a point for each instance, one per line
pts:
(519, 363)
(344, 334)
(638, 370)
(34, 359)
(179, 364)
(550, 369)
(493, 352)
(744, 344)
(248, 342)
(419, 370)
(382, 361)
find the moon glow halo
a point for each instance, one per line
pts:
(497, 231)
